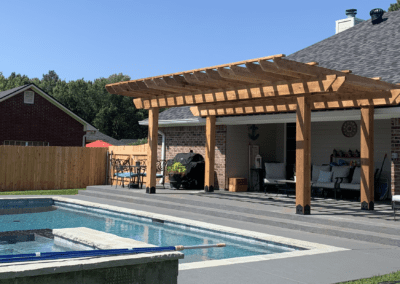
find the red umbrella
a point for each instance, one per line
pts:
(98, 143)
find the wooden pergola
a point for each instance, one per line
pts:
(265, 85)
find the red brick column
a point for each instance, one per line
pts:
(182, 139)
(395, 163)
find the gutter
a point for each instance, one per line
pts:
(84, 141)
(162, 153)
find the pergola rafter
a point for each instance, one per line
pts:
(265, 85)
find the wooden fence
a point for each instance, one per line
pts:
(40, 168)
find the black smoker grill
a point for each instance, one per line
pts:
(194, 176)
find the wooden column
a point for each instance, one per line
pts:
(210, 154)
(367, 157)
(152, 151)
(303, 156)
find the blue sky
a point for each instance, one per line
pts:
(92, 39)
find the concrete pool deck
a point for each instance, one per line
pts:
(372, 239)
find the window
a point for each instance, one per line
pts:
(26, 143)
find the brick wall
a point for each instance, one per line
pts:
(41, 121)
(395, 163)
(185, 138)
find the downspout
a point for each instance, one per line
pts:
(84, 141)
(162, 153)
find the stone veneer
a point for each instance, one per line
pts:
(395, 163)
(182, 139)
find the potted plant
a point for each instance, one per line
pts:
(175, 174)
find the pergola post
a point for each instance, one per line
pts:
(303, 156)
(367, 157)
(152, 151)
(210, 154)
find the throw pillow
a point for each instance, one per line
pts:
(324, 176)
(316, 169)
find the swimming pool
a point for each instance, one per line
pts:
(159, 232)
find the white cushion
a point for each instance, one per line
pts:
(271, 181)
(275, 170)
(352, 186)
(316, 169)
(324, 184)
(396, 198)
(356, 175)
(341, 171)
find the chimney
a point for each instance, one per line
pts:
(349, 22)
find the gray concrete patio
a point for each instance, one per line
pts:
(372, 237)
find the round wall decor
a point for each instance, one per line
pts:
(349, 128)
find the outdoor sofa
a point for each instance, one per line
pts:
(336, 178)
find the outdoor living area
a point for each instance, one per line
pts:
(274, 144)
(275, 85)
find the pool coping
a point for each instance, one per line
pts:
(309, 247)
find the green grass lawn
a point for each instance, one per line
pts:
(392, 277)
(72, 191)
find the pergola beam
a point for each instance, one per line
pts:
(367, 157)
(279, 104)
(152, 151)
(303, 156)
(210, 154)
(269, 90)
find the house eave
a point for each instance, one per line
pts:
(334, 115)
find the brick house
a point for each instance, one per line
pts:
(30, 117)
(367, 49)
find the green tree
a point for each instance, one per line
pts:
(113, 115)
(49, 81)
(395, 6)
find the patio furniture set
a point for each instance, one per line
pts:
(122, 169)
(325, 177)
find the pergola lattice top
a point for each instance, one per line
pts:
(267, 84)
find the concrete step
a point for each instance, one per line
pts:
(325, 229)
(209, 204)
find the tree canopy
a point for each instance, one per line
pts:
(395, 6)
(113, 115)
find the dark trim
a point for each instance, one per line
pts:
(303, 211)
(151, 190)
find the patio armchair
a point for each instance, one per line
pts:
(121, 170)
(353, 182)
(160, 171)
(273, 173)
(328, 179)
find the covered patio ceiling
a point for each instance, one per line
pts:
(261, 85)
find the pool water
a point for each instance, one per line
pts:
(40, 244)
(67, 215)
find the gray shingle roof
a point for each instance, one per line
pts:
(11, 91)
(175, 113)
(366, 49)
(97, 135)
